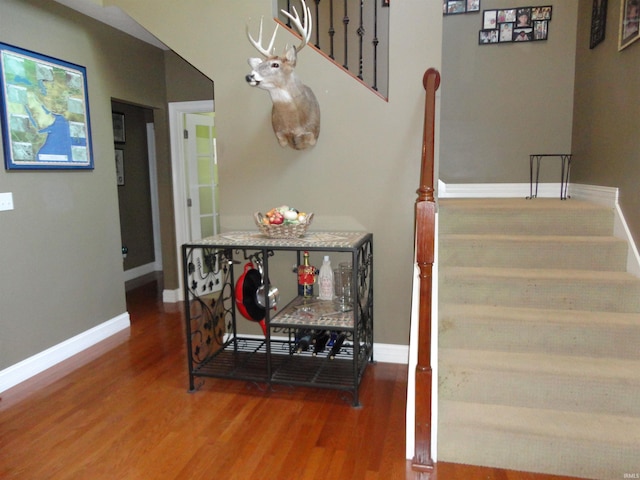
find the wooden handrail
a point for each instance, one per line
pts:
(424, 230)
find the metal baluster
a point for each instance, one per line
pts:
(345, 21)
(317, 25)
(361, 32)
(375, 46)
(332, 31)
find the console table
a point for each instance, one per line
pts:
(565, 160)
(215, 348)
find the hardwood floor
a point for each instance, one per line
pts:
(121, 410)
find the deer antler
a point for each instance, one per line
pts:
(304, 27)
(258, 44)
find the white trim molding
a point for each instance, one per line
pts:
(495, 190)
(141, 271)
(172, 296)
(30, 367)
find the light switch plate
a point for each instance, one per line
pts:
(6, 201)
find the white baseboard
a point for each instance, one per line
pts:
(172, 296)
(21, 371)
(495, 190)
(140, 271)
(391, 353)
(606, 196)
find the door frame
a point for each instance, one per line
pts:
(176, 135)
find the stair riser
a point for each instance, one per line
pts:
(539, 390)
(526, 223)
(540, 293)
(611, 256)
(479, 445)
(552, 338)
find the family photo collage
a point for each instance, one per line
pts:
(522, 24)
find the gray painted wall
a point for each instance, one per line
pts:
(501, 103)
(606, 129)
(61, 270)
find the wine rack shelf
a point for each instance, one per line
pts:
(286, 354)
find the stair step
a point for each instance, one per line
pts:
(556, 442)
(558, 382)
(533, 251)
(565, 332)
(542, 216)
(541, 288)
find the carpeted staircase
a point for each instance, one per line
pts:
(539, 339)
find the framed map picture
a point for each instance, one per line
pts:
(45, 112)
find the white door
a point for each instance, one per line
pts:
(201, 175)
(201, 186)
(191, 222)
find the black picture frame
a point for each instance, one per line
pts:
(456, 7)
(489, 19)
(119, 157)
(598, 23)
(119, 132)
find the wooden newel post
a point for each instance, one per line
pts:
(425, 214)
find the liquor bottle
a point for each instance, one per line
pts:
(303, 340)
(320, 342)
(325, 280)
(306, 277)
(337, 346)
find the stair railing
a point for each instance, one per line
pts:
(425, 213)
(353, 34)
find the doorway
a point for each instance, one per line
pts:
(134, 152)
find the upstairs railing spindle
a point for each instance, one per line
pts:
(365, 37)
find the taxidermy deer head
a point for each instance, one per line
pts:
(295, 115)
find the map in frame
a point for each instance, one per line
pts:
(45, 112)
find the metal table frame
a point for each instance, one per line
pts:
(536, 158)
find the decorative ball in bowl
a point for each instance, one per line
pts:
(283, 222)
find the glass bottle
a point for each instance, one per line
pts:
(306, 277)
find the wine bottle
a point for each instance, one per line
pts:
(303, 340)
(306, 277)
(337, 345)
(320, 342)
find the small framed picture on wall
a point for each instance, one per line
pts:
(598, 22)
(453, 7)
(629, 23)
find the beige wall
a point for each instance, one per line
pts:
(61, 270)
(60, 256)
(606, 130)
(362, 174)
(500, 103)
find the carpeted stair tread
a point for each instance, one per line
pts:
(541, 288)
(577, 444)
(586, 252)
(539, 380)
(554, 331)
(518, 216)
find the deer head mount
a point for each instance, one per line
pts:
(295, 115)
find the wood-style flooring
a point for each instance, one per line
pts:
(121, 410)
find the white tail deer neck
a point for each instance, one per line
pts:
(295, 115)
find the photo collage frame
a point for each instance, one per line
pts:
(454, 7)
(519, 24)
